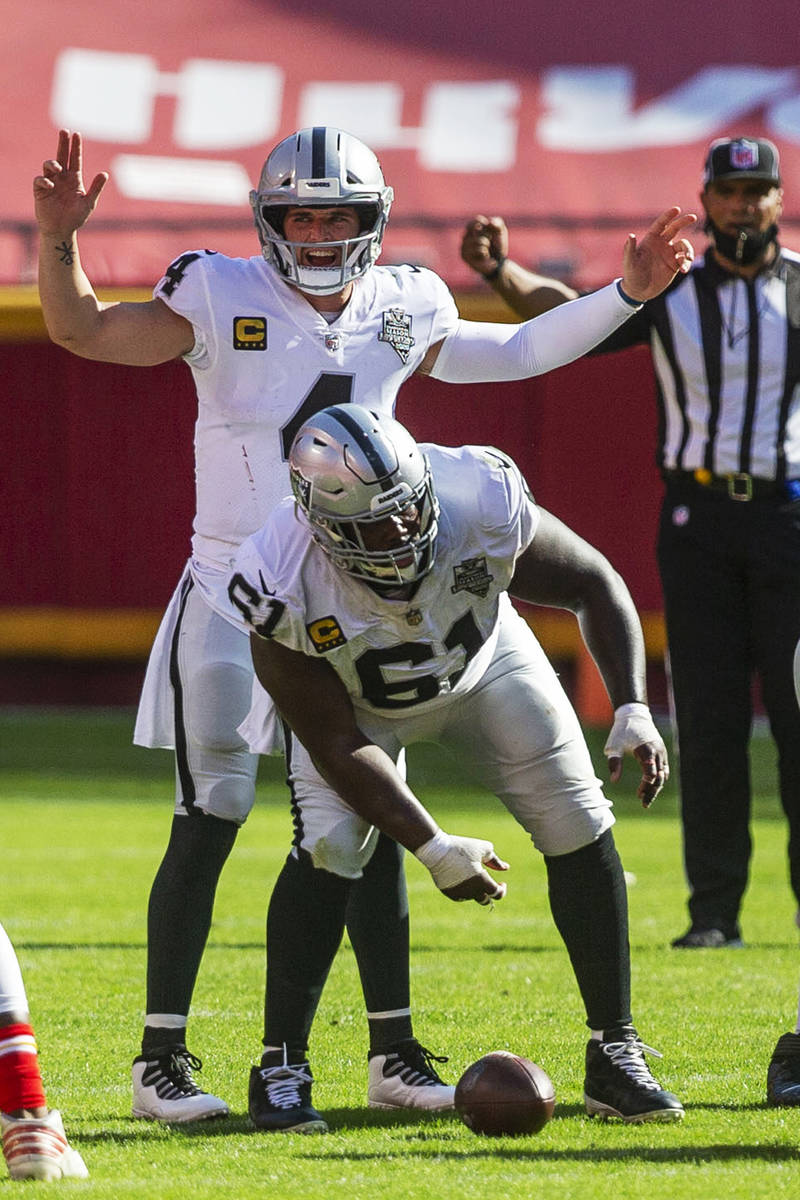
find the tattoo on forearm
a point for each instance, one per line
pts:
(67, 253)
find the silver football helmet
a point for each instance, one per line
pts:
(351, 468)
(324, 167)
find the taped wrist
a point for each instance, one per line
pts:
(633, 725)
(451, 860)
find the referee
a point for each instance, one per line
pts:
(725, 340)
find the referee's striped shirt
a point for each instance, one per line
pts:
(726, 353)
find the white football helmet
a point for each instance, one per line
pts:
(350, 468)
(322, 167)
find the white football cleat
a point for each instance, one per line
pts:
(37, 1148)
(164, 1089)
(406, 1078)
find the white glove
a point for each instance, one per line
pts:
(633, 726)
(451, 859)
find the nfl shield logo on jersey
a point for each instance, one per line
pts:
(397, 332)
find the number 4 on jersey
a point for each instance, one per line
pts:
(328, 389)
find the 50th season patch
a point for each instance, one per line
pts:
(249, 333)
(472, 575)
(325, 634)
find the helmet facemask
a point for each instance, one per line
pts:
(321, 167)
(349, 472)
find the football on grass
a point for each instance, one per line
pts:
(504, 1093)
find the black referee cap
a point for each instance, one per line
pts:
(742, 158)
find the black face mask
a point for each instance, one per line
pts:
(746, 246)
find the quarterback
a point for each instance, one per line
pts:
(378, 600)
(272, 339)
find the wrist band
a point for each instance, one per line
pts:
(432, 851)
(628, 299)
(634, 708)
(490, 276)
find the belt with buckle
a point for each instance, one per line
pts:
(738, 485)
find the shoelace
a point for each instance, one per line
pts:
(282, 1084)
(179, 1067)
(629, 1057)
(415, 1065)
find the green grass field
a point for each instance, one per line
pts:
(85, 818)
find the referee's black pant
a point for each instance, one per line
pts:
(730, 572)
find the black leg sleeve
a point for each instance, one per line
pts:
(305, 925)
(377, 924)
(180, 908)
(590, 908)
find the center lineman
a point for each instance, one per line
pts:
(270, 341)
(380, 611)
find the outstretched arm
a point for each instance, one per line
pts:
(312, 699)
(138, 334)
(649, 265)
(482, 352)
(561, 570)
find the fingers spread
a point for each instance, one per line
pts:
(663, 220)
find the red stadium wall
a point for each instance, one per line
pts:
(99, 467)
(98, 495)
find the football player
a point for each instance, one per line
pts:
(379, 604)
(783, 1072)
(271, 340)
(34, 1143)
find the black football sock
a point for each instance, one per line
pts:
(305, 925)
(180, 909)
(589, 904)
(157, 1041)
(377, 924)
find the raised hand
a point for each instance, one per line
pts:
(484, 243)
(650, 265)
(61, 202)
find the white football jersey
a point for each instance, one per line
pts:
(264, 361)
(395, 654)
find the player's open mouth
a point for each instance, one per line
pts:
(321, 258)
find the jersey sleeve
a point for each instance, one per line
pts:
(445, 311)
(261, 588)
(184, 287)
(508, 512)
(488, 489)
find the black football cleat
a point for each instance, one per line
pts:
(708, 939)
(619, 1084)
(280, 1099)
(783, 1073)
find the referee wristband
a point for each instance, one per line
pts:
(490, 276)
(624, 296)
